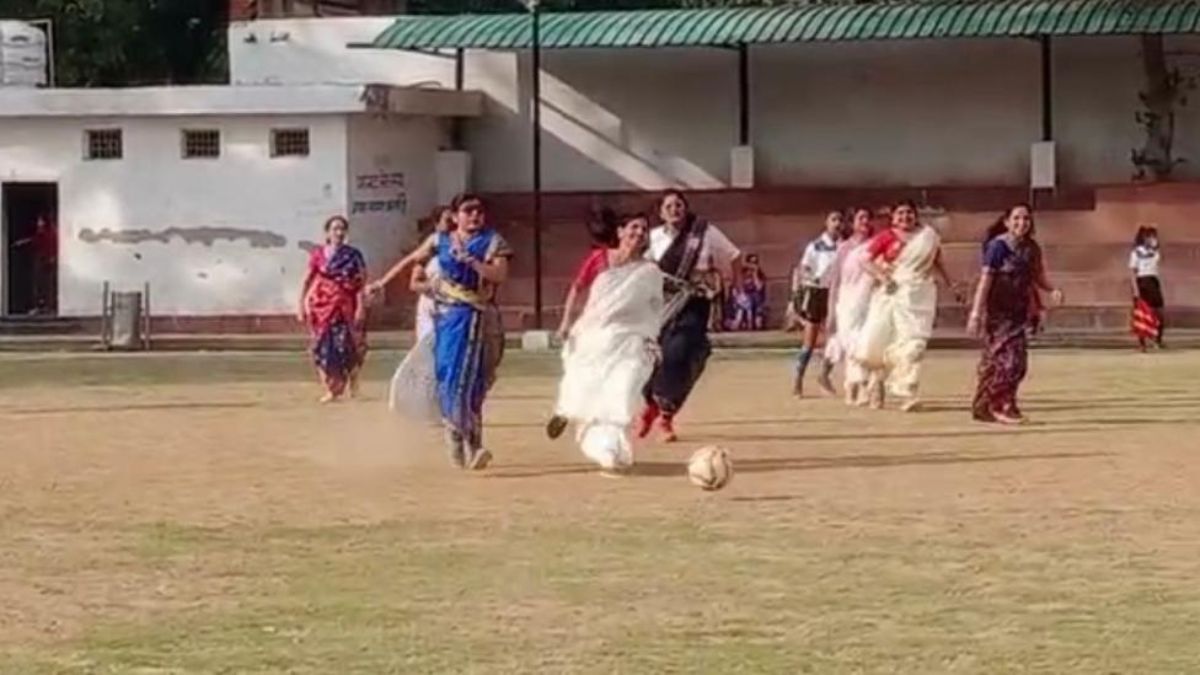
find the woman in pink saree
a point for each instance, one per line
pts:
(850, 297)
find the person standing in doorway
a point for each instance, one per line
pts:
(43, 245)
(810, 291)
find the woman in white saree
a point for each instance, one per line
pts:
(611, 350)
(850, 298)
(891, 344)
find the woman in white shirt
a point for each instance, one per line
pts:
(1144, 261)
(686, 249)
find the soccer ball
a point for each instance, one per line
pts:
(710, 468)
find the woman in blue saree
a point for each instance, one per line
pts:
(468, 337)
(468, 340)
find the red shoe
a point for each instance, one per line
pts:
(646, 423)
(667, 426)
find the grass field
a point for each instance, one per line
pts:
(200, 514)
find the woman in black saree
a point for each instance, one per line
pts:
(686, 248)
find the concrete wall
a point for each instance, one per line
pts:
(1086, 235)
(212, 236)
(313, 51)
(391, 182)
(954, 112)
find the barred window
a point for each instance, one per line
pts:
(289, 142)
(103, 144)
(201, 143)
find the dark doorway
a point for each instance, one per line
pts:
(30, 236)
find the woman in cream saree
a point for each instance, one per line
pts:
(610, 351)
(891, 344)
(850, 297)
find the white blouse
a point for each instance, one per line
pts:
(816, 265)
(716, 251)
(1144, 261)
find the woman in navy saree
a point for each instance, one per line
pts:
(1003, 314)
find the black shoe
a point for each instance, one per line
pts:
(555, 427)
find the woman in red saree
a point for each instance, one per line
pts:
(332, 304)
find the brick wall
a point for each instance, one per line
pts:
(1086, 234)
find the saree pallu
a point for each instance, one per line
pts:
(468, 337)
(854, 287)
(606, 360)
(685, 351)
(339, 339)
(899, 324)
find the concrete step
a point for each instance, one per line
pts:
(47, 325)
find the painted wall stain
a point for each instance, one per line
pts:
(307, 246)
(190, 235)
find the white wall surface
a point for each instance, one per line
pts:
(212, 236)
(314, 52)
(392, 182)
(874, 113)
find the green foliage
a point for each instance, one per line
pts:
(101, 43)
(105, 43)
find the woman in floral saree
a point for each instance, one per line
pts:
(332, 304)
(1002, 315)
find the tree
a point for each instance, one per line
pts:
(1166, 91)
(107, 43)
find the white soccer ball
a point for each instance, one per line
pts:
(710, 468)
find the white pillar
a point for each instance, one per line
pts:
(741, 166)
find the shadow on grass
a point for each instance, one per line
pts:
(133, 407)
(777, 464)
(1074, 426)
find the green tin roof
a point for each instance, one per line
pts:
(795, 23)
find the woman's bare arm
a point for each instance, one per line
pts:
(978, 316)
(305, 286)
(420, 254)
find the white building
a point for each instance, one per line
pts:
(227, 235)
(213, 195)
